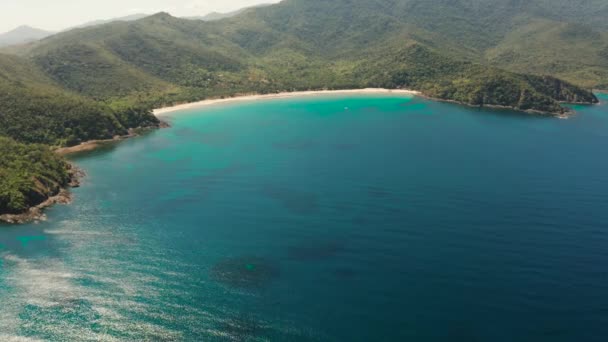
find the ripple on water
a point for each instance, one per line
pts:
(316, 251)
(296, 201)
(245, 272)
(247, 327)
(51, 301)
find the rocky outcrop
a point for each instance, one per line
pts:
(46, 198)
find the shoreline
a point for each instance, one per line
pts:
(64, 196)
(37, 213)
(92, 145)
(252, 97)
(565, 115)
(256, 97)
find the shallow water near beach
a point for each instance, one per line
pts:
(328, 218)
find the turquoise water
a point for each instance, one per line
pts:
(368, 218)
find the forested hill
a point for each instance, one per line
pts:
(563, 38)
(36, 110)
(99, 82)
(316, 44)
(33, 109)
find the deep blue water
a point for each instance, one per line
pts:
(368, 218)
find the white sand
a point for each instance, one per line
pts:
(166, 110)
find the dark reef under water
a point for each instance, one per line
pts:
(245, 272)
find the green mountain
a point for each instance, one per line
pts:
(37, 110)
(317, 44)
(566, 39)
(101, 81)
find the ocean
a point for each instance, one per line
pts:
(325, 218)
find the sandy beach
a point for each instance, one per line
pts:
(166, 110)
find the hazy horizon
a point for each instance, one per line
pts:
(61, 14)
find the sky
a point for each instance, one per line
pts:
(55, 15)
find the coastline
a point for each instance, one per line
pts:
(64, 196)
(565, 115)
(92, 145)
(36, 213)
(255, 97)
(165, 111)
